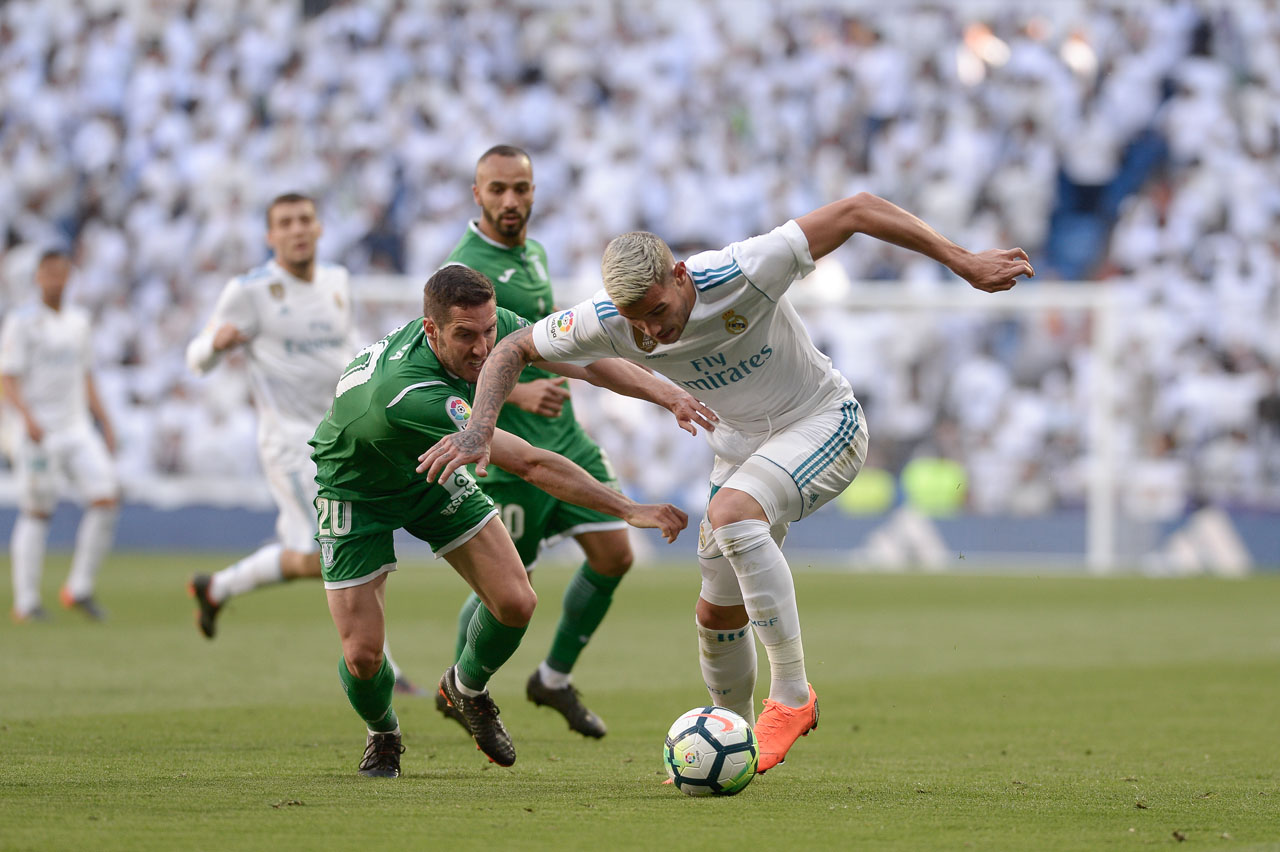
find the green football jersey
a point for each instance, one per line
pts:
(393, 402)
(522, 284)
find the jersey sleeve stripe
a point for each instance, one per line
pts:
(707, 282)
(713, 271)
(402, 393)
(604, 310)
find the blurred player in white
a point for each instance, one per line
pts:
(293, 319)
(791, 435)
(44, 369)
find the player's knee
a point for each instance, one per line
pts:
(729, 506)
(363, 660)
(515, 608)
(614, 564)
(718, 617)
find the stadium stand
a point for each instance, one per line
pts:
(1133, 145)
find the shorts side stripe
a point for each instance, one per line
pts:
(818, 454)
(836, 444)
(308, 508)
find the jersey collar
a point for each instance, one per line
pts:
(474, 227)
(278, 270)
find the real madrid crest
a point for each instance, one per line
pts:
(337, 300)
(734, 323)
(276, 289)
(644, 341)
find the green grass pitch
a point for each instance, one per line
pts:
(958, 712)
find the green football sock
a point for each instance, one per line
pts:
(371, 698)
(464, 621)
(490, 643)
(586, 600)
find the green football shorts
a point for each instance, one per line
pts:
(350, 557)
(532, 516)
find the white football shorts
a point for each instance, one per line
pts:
(291, 476)
(76, 457)
(792, 474)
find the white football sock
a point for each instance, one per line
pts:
(466, 690)
(260, 568)
(386, 654)
(769, 594)
(26, 549)
(93, 539)
(728, 659)
(551, 678)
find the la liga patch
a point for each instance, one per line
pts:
(561, 323)
(458, 410)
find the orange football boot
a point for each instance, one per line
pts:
(779, 726)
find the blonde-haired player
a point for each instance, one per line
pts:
(791, 434)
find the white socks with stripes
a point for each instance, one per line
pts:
(728, 660)
(769, 594)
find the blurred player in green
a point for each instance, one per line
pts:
(412, 386)
(540, 411)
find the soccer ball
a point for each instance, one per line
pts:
(711, 751)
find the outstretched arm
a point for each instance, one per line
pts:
(830, 227)
(564, 480)
(471, 446)
(629, 379)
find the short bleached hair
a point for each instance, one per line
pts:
(632, 264)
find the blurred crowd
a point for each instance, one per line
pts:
(1132, 144)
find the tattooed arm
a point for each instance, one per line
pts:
(471, 446)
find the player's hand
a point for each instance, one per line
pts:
(34, 432)
(452, 452)
(228, 336)
(996, 269)
(540, 396)
(690, 413)
(664, 517)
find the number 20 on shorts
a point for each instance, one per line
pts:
(334, 516)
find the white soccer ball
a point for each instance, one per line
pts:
(711, 751)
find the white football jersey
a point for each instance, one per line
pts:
(50, 354)
(744, 352)
(300, 340)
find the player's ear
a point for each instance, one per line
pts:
(679, 271)
(428, 327)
